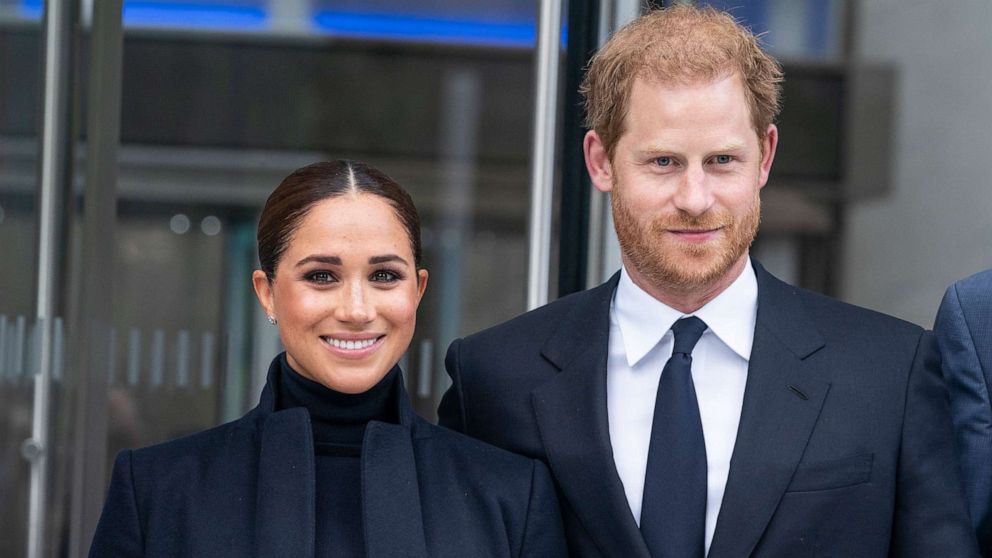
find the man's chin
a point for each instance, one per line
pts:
(692, 272)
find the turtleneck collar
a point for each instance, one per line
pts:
(338, 418)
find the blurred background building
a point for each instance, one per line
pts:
(139, 140)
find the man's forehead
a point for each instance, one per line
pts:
(647, 88)
(685, 77)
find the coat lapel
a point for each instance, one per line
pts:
(284, 522)
(572, 417)
(782, 400)
(286, 511)
(393, 523)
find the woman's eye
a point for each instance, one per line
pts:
(385, 276)
(723, 159)
(320, 277)
(663, 161)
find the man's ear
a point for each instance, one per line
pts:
(263, 290)
(597, 162)
(768, 146)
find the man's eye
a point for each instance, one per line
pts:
(723, 159)
(663, 161)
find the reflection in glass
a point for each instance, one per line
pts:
(20, 89)
(212, 123)
(803, 29)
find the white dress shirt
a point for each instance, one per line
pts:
(641, 342)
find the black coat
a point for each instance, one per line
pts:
(246, 488)
(844, 446)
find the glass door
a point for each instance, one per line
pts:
(169, 153)
(31, 324)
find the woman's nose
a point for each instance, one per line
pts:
(355, 304)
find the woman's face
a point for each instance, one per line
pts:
(345, 292)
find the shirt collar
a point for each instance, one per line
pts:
(644, 320)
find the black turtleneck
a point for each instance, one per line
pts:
(338, 421)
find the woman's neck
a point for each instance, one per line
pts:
(337, 417)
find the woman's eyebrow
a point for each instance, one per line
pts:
(329, 260)
(386, 258)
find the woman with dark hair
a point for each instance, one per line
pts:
(332, 461)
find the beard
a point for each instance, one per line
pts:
(671, 264)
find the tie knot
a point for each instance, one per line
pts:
(687, 332)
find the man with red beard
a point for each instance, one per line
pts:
(694, 405)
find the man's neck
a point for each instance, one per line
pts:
(688, 300)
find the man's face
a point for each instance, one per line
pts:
(685, 177)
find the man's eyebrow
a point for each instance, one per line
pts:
(662, 150)
(330, 260)
(733, 146)
(652, 149)
(387, 258)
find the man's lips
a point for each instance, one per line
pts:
(695, 235)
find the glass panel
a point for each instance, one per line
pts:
(212, 122)
(166, 381)
(807, 29)
(477, 22)
(505, 23)
(14, 10)
(197, 14)
(20, 91)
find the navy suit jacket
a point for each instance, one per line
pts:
(844, 446)
(246, 488)
(964, 333)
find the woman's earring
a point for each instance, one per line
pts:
(272, 319)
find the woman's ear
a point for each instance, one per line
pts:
(421, 284)
(263, 290)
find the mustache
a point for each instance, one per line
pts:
(683, 222)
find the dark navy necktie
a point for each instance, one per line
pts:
(673, 512)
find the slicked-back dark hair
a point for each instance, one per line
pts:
(290, 202)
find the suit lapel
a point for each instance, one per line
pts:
(393, 523)
(284, 523)
(572, 417)
(782, 400)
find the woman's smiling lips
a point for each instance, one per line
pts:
(350, 345)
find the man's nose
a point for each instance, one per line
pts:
(693, 195)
